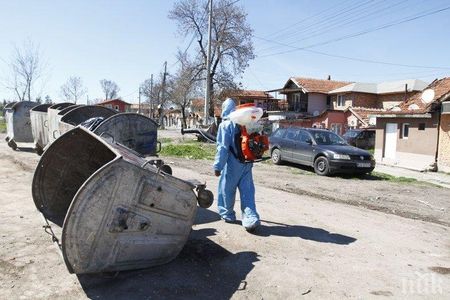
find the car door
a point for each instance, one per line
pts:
(288, 144)
(303, 148)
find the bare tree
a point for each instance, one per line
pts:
(48, 100)
(185, 86)
(231, 41)
(110, 88)
(160, 95)
(73, 89)
(26, 69)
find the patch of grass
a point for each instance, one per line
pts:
(387, 177)
(191, 151)
(2, 125)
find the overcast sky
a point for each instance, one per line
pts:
(126, 41)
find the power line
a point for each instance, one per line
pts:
(276, 33)
(337, 24)
(408, 19)
(354, 58)
(341, 13)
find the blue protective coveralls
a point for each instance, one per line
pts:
(234, 174)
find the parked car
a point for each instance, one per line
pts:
(361, 138)
(324, 150)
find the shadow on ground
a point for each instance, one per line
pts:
(202, 270)
(304, 232)
(205, 216)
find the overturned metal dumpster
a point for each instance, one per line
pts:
(53, 119)
(39, 126)
(18, 124)
(133, 130)
(117, 211)
(78, 115)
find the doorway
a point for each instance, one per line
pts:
(390, 144)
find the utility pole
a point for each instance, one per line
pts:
(151, 98)
(139, 106)
(208, 66)
(163, 91)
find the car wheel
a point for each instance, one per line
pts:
(276, 156)
(321, 166)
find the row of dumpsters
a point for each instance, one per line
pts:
(108, 201)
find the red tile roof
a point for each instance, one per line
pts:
(441, 88)
(249, 94)
(363, 113)
(112, 101)
(312, 85)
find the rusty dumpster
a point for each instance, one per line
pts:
(133, 130)
(117, 210)
(39, 126)
(18, 124)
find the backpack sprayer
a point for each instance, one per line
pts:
(250, 141)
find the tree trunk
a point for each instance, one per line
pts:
(183, 115)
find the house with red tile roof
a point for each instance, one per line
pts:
(308, 96)
(324, 100)
(260, 98)
(116, 104)
(415, 133)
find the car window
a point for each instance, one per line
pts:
(304, 136)
(292, 134)
(327, 138)
(351, 134)
(279, 133)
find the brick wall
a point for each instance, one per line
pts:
(370, 100)
(356, 100)
(389, 100)
(444, 144)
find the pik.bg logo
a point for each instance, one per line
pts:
(422, 284)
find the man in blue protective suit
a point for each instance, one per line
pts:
(233, 174)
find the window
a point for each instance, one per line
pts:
(291, 134)
(421, 126)
(340, 100)
(405, 131)
(336, 128)
(304, 137)
(279, 133)
(116, 107)
(328, 101)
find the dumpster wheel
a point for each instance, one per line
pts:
(12, 144)
(205, 198)
(166, 169)
(38, 149)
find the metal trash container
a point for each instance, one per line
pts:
(78, 115)
(133, 130)
(116, 210)
(5, 109)
(18, 124)
(39, 126)
(53, 119)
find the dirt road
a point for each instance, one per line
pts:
(308, 246)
